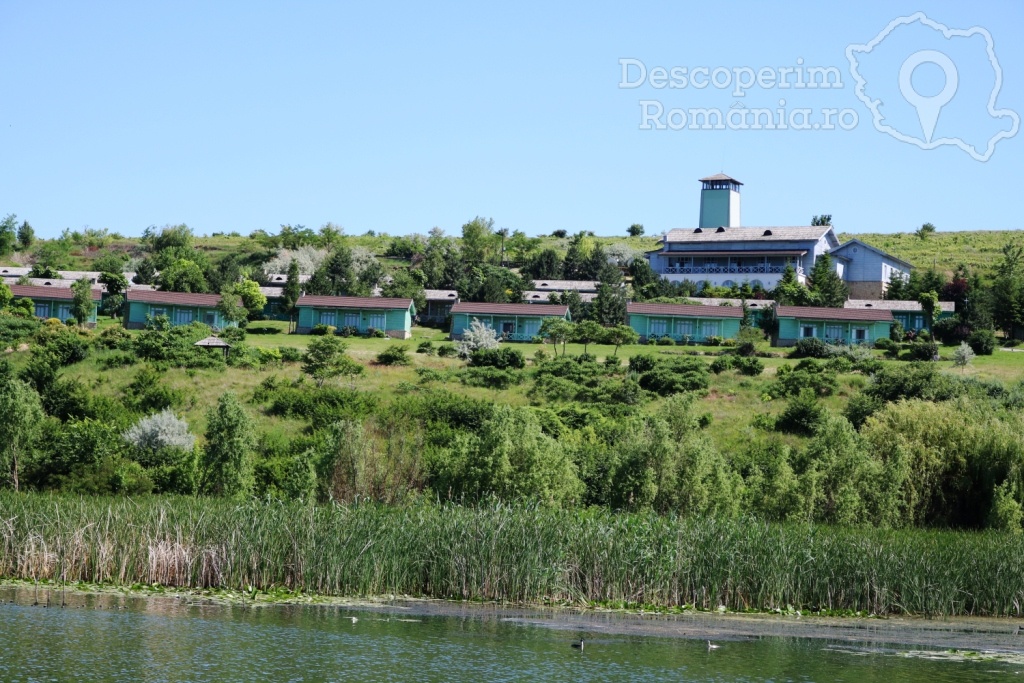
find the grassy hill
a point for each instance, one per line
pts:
(977, 249)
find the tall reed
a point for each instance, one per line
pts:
(508, 553)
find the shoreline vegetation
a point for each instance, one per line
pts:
(517, 554)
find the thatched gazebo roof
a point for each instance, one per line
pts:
(213, 343)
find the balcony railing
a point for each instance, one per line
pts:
(518, 336)
(728, 270)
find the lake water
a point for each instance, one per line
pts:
(115, 638)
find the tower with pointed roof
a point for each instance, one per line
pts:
(719, 202)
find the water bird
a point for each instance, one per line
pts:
(579, 645)
(354, 619)
(712, 646)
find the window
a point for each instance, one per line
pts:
(157, 312)
(42, 310)
(709, 328)
(378, 321)
(210, 318)
(531, 328)
(807, 331)
(351, 320)
(328, 318)
(64, 311)
(860, 334)
(833, 332)
(684, 328)
(508, 327)
(657, 328)
(918, 322)
(183, 316)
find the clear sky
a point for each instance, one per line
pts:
(398, 117)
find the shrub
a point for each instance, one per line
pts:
(886, 344)
(642, 363)
(675, 376)
(839, 365)
(923, 350)
(395, 354)
(666, 341)
(290, 354)
(117, 360)
(950, 331)
(447, 351)
(261, 329)
(806, 375)
(477, 336)
(233, 335)
(749, 365)
(64, 344)
(321, 330)
(585, 358)
(713, 341)
(374, 333)
(14, 328)
(490, 377)
(802, 415)
(982, 342)
(147, 392)
(721, 364)
(612, 362)
(116, 338)
(502, 358)
(241, 355)
(269, 356)
(159, 431)
(810, 347)
(348, 331)
(426, 347)
(896, 332)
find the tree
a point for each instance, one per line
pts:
(325, 359)
(145, 272)
(519, 246)
(597, 262)
(929, 302)
(575, 265)
(558, 330)
(117, 285)
(291, 292)
(546, 265)
(228, 456)
(827, 288)
(21, 413)
(478, 241)
(81, 303)
(8, 234)
(1008, 289)
(587, 332)
(789, 291)
(963, 356)
(635, 230)
(183, 276)
(476, 337)
(404, 284)
(925, 231)
(621, 335)
(252, 298)
(330, 235)
(336, 276)
(822, 220)
(26, 235)
(6, 296)
(231, 307)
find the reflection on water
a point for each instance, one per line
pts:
(105, 638)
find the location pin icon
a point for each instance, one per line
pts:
(928, 108)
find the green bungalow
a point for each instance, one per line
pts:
(181, 308)
(54, 302)
(832, 325)
(393, 316)
(684, 322)
(514, 322)
(909, 314)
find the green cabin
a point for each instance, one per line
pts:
(684, 322)
(363, 313)
(909, 314)
(831, 325)
(55, 302)
(514, 322)
(181, 308)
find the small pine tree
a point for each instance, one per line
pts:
(963, 356)
(827, 288)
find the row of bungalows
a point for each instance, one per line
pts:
(55, 302)
(909, 314)
(514, 322)
(392, 316)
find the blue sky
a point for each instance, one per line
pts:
(399, 117)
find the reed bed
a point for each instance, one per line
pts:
(509, 553)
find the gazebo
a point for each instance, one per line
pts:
(214, 343)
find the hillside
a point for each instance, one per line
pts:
(977, 249)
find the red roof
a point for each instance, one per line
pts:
(39, 292)
(821, 313)
(686, 310)
(510, 309)
(353, 302)
(174, 298)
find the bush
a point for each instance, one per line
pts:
(348, 331)
(896, 332)
(117, 360)
(802, 415)
(262, 329)
(721, 364)
(447, 351)
(490, 377)
(426, 347)
(233, 335)
(64, 344)
(116, 338)
(982, 342)
(396, 354)
(811, 347)
(290, 354)
(502, 358)
(950, 331)
(713, 341)
(374, 333)
(749, 365)
(14, 328)
(923, 350)
(886, 344)
(666, 341)
(642, 363)
(806, 375)
(675, 376)
(321, 330)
